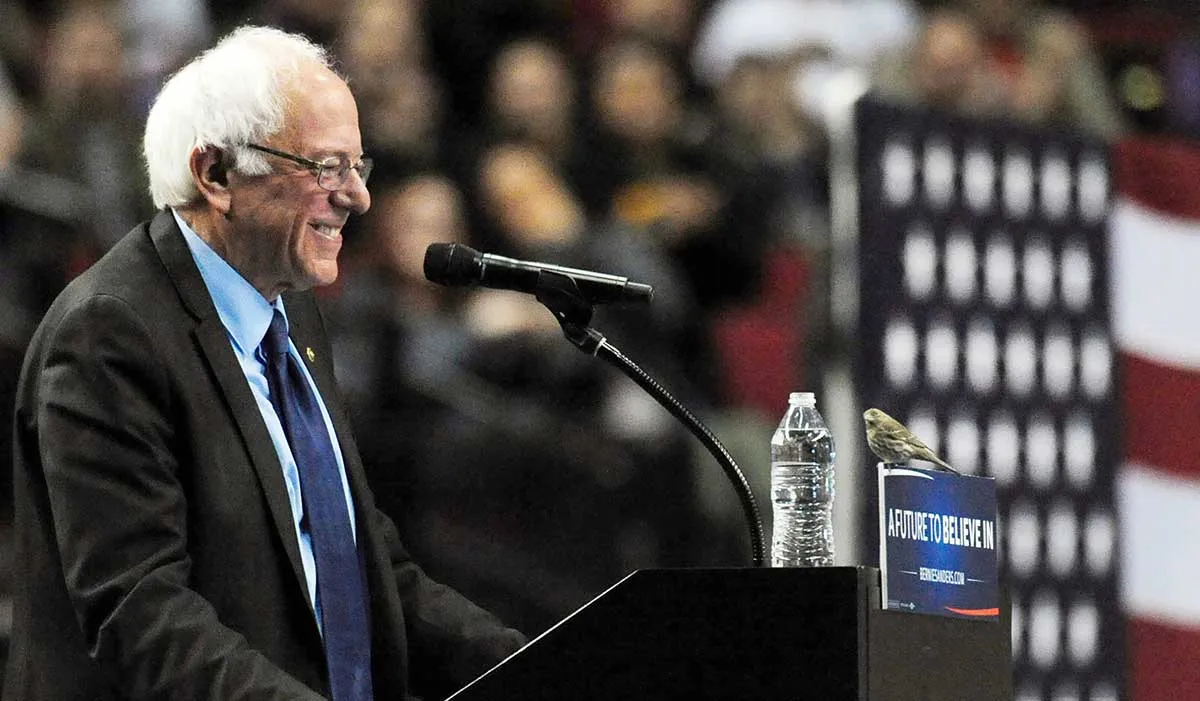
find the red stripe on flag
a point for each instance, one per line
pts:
(1164, 661)
(1159, 173)
(992, 612)
(1162, 415)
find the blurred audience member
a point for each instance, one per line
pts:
(668, 24)
(521, 194)
(538, 216)
(62, 131)
(12, 121)
(535, 214)
(399, 97)
(781, 152)
(532, 97)
(160, 36)
(394, 332)
(840, 40)
(947, 69)
(1050, 73)
(465, 36)
(40, 241)
(16, 322)
(18, 47)
(761, 119)
(639, 100)
(664, 177)
(378, 35)
(85, 128)
(406, 120)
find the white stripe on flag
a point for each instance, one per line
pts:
(1161, 555)
(1156, 285)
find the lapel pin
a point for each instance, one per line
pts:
(312, 357)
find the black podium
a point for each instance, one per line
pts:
(754, 634)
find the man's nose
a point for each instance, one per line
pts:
(354, 195)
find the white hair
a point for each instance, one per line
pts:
(228, 96)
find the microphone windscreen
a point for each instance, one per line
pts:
(450, 264)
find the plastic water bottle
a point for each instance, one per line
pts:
(802, 486)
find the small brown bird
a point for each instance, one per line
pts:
(892, 442)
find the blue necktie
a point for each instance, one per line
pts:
(341, 585)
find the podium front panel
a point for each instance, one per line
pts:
(763, 634)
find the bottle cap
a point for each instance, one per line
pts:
(802, 398)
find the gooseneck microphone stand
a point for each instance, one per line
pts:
(562, 297)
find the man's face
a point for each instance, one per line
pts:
(285, 229)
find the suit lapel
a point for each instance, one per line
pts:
(213, 340)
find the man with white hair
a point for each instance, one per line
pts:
(192, 516)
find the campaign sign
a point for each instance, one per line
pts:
(937, 542)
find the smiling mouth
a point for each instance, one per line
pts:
(326, 231)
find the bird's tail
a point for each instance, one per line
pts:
(945, 465)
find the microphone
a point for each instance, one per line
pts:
(455, 265)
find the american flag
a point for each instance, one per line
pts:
(1155, 257)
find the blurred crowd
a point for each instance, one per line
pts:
(682, 143)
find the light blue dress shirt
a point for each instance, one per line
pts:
(246, 315)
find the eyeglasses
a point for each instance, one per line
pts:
(332, 174)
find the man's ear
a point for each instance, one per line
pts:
(210, 171)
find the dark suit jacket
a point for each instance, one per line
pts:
(155, 550)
